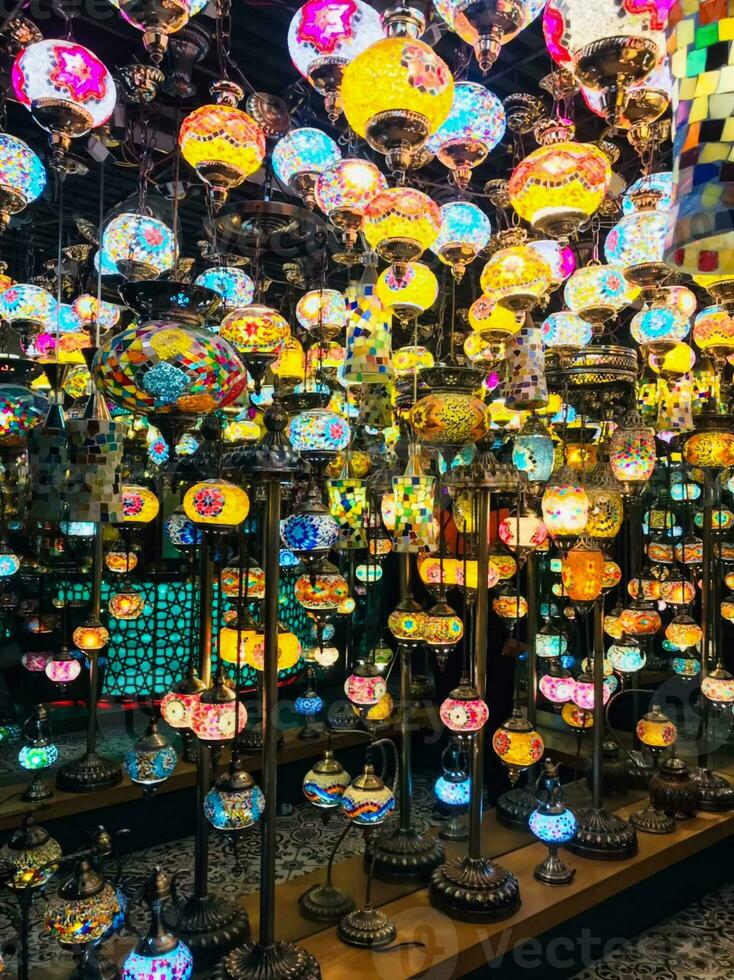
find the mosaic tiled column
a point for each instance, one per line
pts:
(700, 39)
(369, 340)
(675, 406)
(348, 505)
(47, 465)
(414, 494)
(95, 457)
(525, 386)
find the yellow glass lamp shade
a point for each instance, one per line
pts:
(400, 223)
(323, 311)
(598, 292)
(289, 649)
(378, 712)
(344, 191)
(358, 464)
(255, 329)
(398, 88)
(640, 619)
(509, 605)
(558, 187)
(672, 363)
(216, 504)
(223, 145)
(656, 730)
(79, 921)
(289, 368)
(577, 718)
(443, 418)
(139, 505)
(612, 575)
(407, 622)
(606, 512)
(712, 449)
(493, 322)
(228, 645)
(517, 744)
(409, 294)
(443, 629)
(582, 574)
(121, 561)
(677, 592)
(683, 632)
(713, 331)
(612, 624)
(90, 635)
(29, 856)
(718, 686)
(517, 276)
(405, 360)
(322, 592)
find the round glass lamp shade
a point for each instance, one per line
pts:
(344, 191)
(553, 828)
(583, 692)
(517, 277)
(713, 331)
(683, 632)
(660, 184)
(446, 418)
(300, 156)
(465, 230)
(486, 27)
(533, 451)
(140, 246)
(606, 513)
(324, 784)
(22, 175)
(166, 368)
(35, 757)
(559, 256)
(659, 328)
(713, 448)
(632, 453)
(407, 622)
(180, 531)
(640, 619)
(558, 187)
(395, 77)
(718, 686)
(177, 706)
(582, 573)
(126, 604)
(32, 304)
(90, 635)
(366, 802)
(474, 126)
(557, 687)
(222, 144)
(174, 964)
(493, 322)
(29, 857)
(139, 504)
(577, 718)
(594, 42)
(289, 649)
(325, 35)
(365, 686)
(565, 330)
(453, 792)
(216, 504)
(522, 532)
(65, 85)
(320, 431)
(231, 283)
(255, 329)
(21, 410)
(150, 764)
(636, 245)
(400, 223)
(412, 292)
(626, 657)
(322, 311)
(321, 591)
(443, 629)
(598, 292)
(463, 711)
(565, 506)
(517, 744)
(235, 802)
(550, 642)
(216, 720)
(309, 531)
(656, 730)
(78, 921)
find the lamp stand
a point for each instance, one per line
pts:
(601, 835)
(92, 771)
(472, 888)
(367, 927)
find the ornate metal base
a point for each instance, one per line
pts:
(88, 774)
(324, 903)
(515, 806)
(454, 829)
(281, 961)
(652, 821)
(37, 791)
(367, 927)
(717, 794)
(603, 836)
(474, 890)
(554, 871)
(404, 855)
(211, 926)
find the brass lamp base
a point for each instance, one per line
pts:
(554, 871)
(405, 855)
(211, 926)
(367, 928)
(474, 890)
(603, 836)
(279, 961)
(652, 821)
(325, 903)
(717, 794)
(90, 773)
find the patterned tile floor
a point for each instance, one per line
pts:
(695, 944)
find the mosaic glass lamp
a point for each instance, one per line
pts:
(217, 716)
(493, 322)
(231, 283)
(151, 760)
(322, 312)
(319, 432)
(464, 232)
(395, 94)
(62, 668)
(626, 656)
(344, 191)
(83, 908)
(22, 177)
(300, 156)
(463, 711)
(414, 496)
(517, 744)
(367, 801)
(158, 954)
(140, 245)
(582, 574)
(659, 329)
(177, 705)
(598, 292)
(718, 686)
(68, 90)
(235, 801)
(324, 36)
(632, 453)
(553, 824)
(713, 332)
(533, 451)
(486, 26)
(365, 686)
(216, 504)
(23, 304)
(523, 531)
(683, 632)
(558, 684)
(565, 505)
(311, 531)
(324, 784)
(400, 223)
(517, 276)
(656, 730)
(29, 855)
(409, 294)
(565, 331)
(475, 125)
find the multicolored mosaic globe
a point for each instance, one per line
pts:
(163, 367)
(20, 411)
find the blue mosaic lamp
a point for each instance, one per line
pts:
(138, 245)
(553, 824)
(453, 792)
(235, 802)
(308, 704)
(367, 801)
(158, 955)
(232, 283)
(37, 754)
(324, 784)
(533, 451)
(300, 157)
(311, 531)
(465, 230)
(151, 760)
